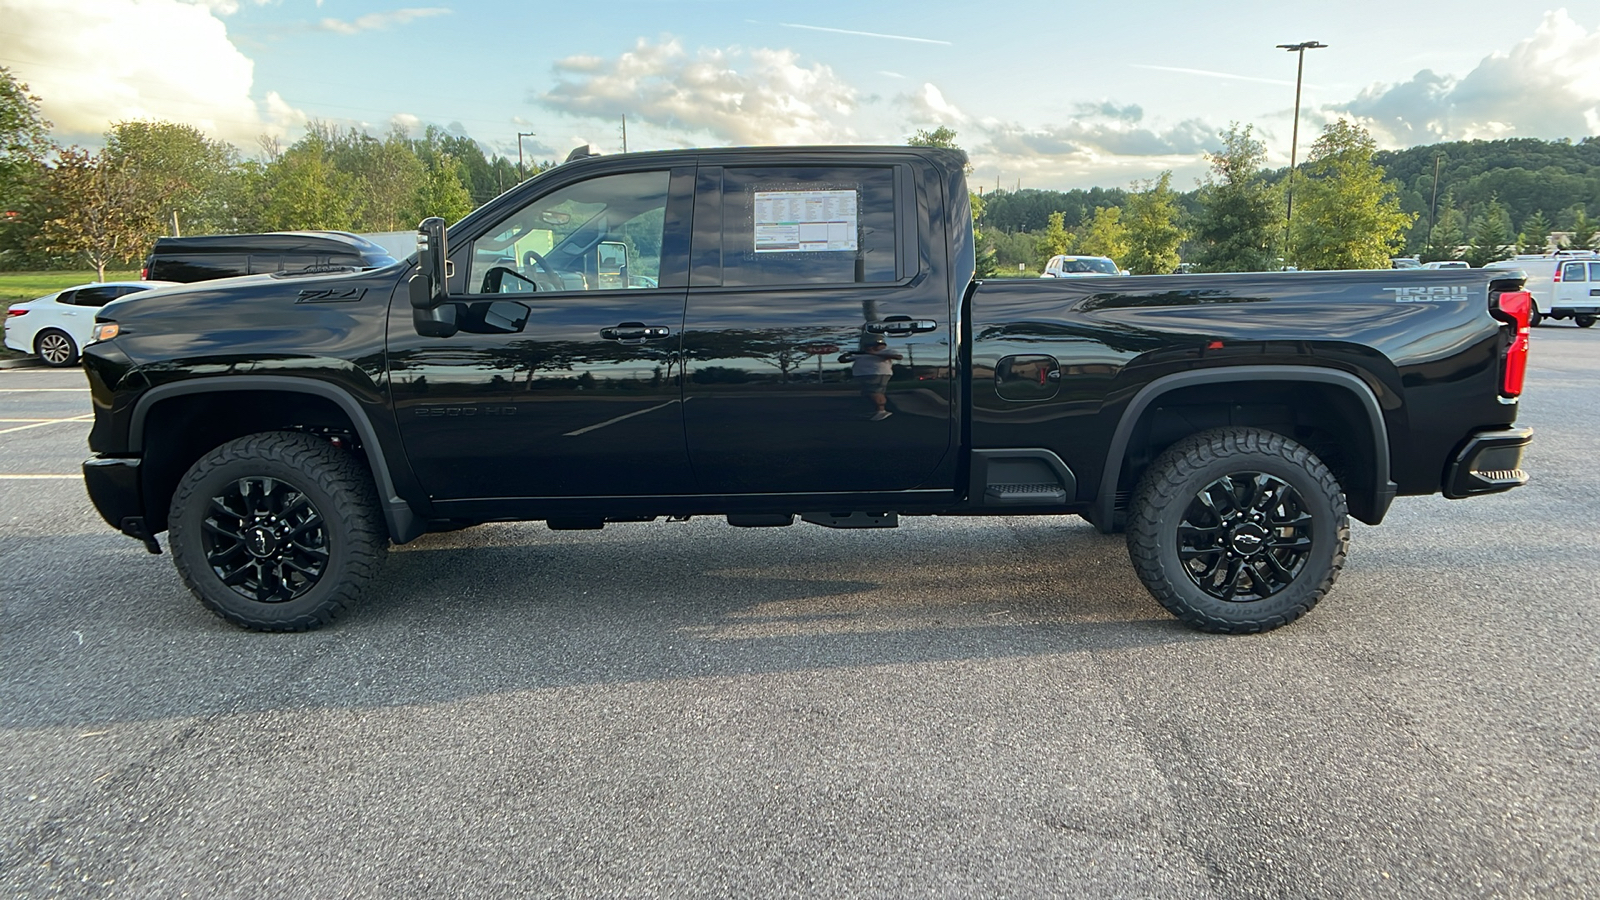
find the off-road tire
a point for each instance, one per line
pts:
(339, 489)
(1169, 496)
(55, 348)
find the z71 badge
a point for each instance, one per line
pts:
(1435, 294)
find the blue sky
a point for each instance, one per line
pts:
(1052, 95)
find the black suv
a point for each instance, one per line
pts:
(189, 259)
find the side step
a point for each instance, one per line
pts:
(852, 519)
(1026, 494)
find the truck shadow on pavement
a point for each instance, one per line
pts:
(508, 608)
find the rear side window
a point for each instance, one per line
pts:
(808, 225)
(97, 296)
(1572, 271)
(1594, 271)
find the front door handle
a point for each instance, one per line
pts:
(635, 333)
(902, 325)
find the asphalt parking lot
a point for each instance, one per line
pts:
(955, 708)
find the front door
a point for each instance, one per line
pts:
(817, 349)
(563, 380)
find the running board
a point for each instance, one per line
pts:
(852, 519)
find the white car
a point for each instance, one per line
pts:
(56, 326)
(1062, 266)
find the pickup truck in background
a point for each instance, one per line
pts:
(772, 333)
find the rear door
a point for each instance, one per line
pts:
(797, 271)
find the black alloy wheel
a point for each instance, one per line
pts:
(1245, 537)
(1238, 530)
(277, 531)
(265, 539)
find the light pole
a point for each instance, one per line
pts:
(521, 176)
(1294, 140)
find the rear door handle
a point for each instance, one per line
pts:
(635, 333)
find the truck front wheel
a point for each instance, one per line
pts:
(278, 531)
(1238, 530)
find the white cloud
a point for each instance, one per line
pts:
(929, 105)
(137, 59)
(381, 20)
(758, 96)
(1546, 86)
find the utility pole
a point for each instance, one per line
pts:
(624, 132)
(1294, 140)
(521, 175)
(1433, 205)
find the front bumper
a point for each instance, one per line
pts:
(113, 485)
(1487, 463)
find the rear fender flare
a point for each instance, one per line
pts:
(1104, 506)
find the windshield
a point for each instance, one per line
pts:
(1089, 266)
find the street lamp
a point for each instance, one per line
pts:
(521, 176)
(1294, 140)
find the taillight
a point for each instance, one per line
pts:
(1557, 276)
(144, 273)
(1516, 306)
(15, 312)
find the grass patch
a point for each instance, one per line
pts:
(17, 286)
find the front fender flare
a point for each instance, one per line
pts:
(403, 521)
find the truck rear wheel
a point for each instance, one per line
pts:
(1584, 321)
(1238, 530)
(1534, 318)
(278, 531)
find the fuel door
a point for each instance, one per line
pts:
(1027, 378)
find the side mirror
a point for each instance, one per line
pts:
(429, 286)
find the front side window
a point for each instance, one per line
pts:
(808, 225)
(1572, 271)
(600, 234)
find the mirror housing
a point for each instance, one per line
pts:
(430, 286)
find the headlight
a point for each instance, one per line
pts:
(104, 331)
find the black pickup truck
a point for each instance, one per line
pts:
(769, 333)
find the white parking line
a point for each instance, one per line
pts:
(4, 477)
(44, 390)
(40, 424)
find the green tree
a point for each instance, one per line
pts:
(1104, 235)
(1492, 238)
(1449, 233)
(24, 145)
(178, 173)
(24, 133)
(1152, 227)
(1055, 240)
(95, 211)
(1238, 218)
(1347, 216)
(1584, 231)
(306, 190)
(1535, 235)
(442, 192)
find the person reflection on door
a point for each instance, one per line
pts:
(871, 367)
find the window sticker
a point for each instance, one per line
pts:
(791, 221)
